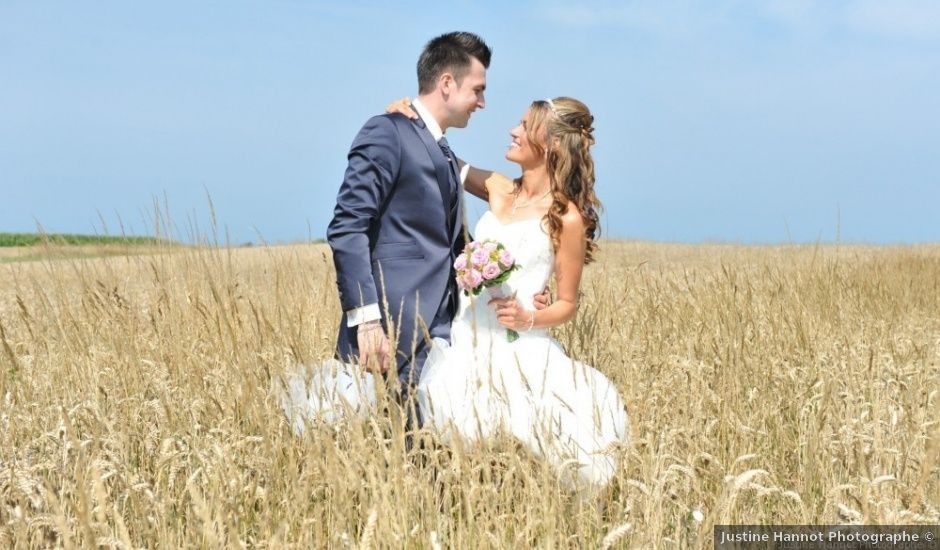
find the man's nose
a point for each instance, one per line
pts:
(481, 103)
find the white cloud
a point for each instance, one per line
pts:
(667, 17)
(797, 13)
(898, 19)
(911, 19)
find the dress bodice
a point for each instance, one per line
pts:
(529, 242)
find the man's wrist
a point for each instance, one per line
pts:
(359, 315)
(369, 326)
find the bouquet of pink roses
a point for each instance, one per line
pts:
(485, 264)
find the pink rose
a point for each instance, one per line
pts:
(461, 262)
(491, 271)
(475, 278)
(479, 258)
(489, 246)
(506, 258)
(465, 282)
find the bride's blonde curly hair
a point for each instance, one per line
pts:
(565, 126)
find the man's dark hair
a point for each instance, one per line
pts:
(451, 51)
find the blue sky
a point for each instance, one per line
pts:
(732, 120)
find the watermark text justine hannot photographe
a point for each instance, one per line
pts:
(827, 536)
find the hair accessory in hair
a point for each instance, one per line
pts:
(551, 105)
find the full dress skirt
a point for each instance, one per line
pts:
(481, 385)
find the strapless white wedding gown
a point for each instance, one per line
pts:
(482, 385)
(564, 411)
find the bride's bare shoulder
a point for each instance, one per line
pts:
(572, 225)
(572, 219)
(500, 189)
(500, 184)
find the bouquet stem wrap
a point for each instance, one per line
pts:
(502, 291)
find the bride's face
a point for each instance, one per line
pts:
(521, 150)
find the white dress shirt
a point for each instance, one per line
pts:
(371, 312)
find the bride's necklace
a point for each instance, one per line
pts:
(517, 205)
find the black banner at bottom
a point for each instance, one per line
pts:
(827, 537)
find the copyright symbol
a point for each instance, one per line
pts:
(928, 536)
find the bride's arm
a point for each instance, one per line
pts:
(479, 181)
(569, 265)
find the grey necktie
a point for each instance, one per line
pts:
(451, 162)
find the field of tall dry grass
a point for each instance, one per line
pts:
(793, 384)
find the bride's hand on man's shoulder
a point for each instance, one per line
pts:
(402, 106)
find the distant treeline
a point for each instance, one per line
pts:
(32, 239)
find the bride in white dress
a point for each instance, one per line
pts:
(562, 410)
(482, 384)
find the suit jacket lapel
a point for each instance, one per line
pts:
(440, 166)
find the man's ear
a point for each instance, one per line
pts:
(447, 83)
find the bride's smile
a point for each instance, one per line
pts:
(521, 149)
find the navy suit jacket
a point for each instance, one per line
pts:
(395, 233)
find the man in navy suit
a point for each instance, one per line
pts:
(398, 223)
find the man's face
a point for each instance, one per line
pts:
(467, 96)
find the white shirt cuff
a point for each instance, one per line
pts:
(464, 170)
(364, 314)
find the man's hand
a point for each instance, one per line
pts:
(541, 300)
(373, 347)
